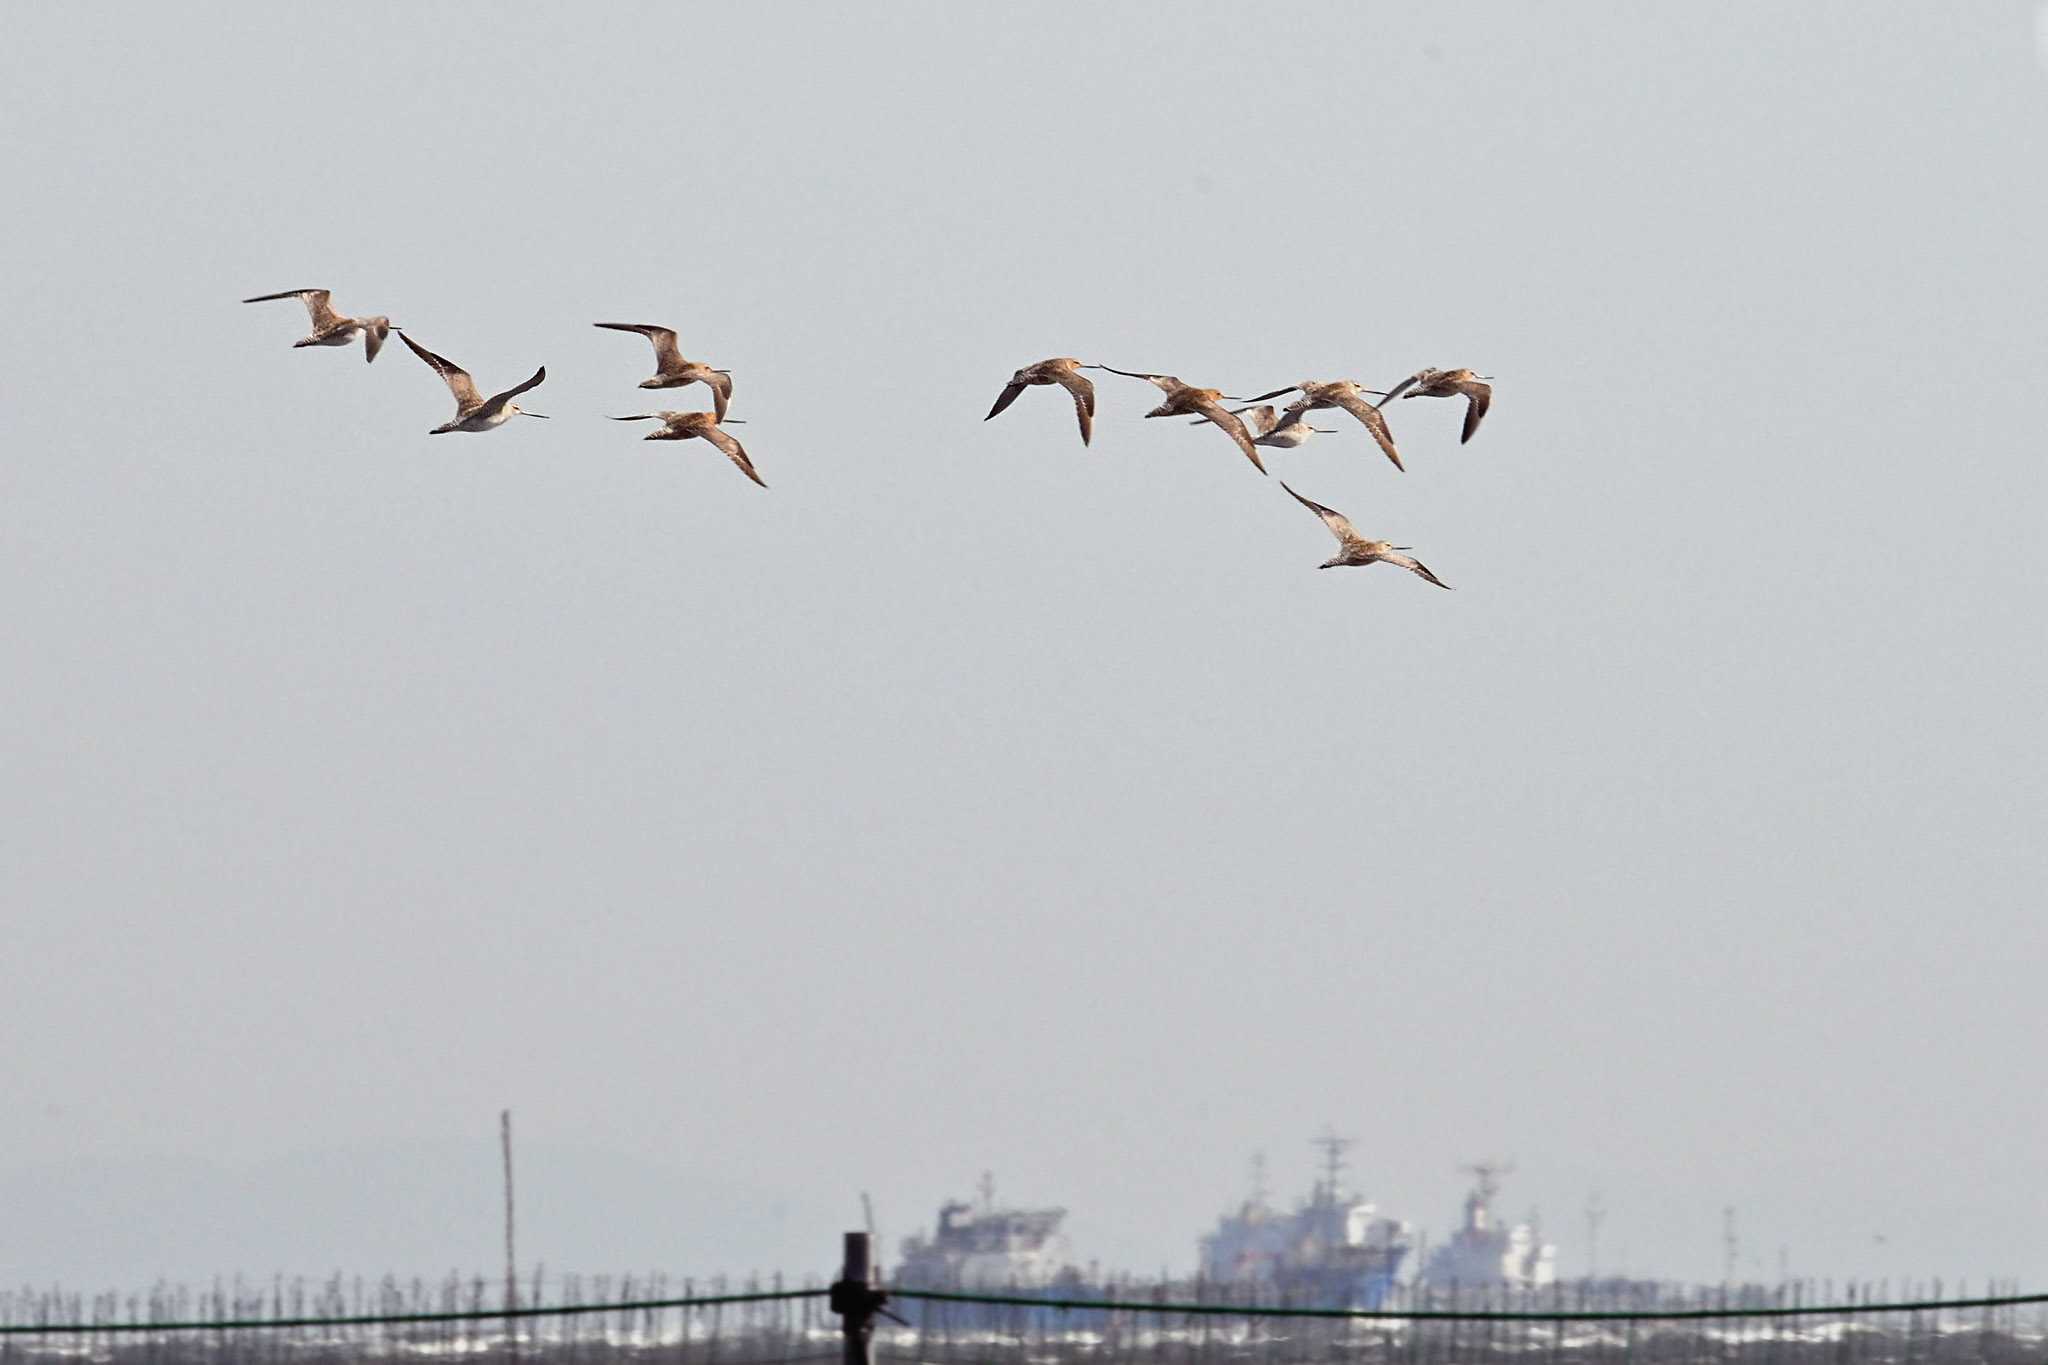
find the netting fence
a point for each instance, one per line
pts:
(652, 1320)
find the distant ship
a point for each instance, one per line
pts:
(1333, 1250)
(983, 1247)
(1482, 1252)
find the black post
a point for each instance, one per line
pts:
(856, 1300)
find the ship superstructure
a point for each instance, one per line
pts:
(1483, 1251)
(1334, 1249)
(983, 1246)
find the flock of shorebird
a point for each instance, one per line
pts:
(1284, 429)
(474, 412)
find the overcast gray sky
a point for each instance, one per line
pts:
(969, 799)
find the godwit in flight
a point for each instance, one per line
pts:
(1063, 371)
(473, 411)
(1345, 394)
(1269, 430)
(1356, 549)
(1449, 384)
(329, 327)
(671, 371)
(682, 426)
(1185, 398)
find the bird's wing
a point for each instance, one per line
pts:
(721, 393)
(499, 400)
(1083, 390)
(1260, 398)
(734, 451)
(1403, 387)
(1229, 421)
(1006, 397)
(373, 339)
(643, 417)
(467, 399)
(667, 355)
(1375, 422)
(317, 306)
(1480, 396)
(1414, 566)
(1263, 419)
(1339, 524)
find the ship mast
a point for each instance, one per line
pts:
(1333, 1149)
(1479, 1204)
(1596, 1213)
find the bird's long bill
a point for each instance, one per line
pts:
(1128, 374)
(524, 413)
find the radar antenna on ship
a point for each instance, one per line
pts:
(1479, 1203)
(1333, 1148)
(1489, 1173)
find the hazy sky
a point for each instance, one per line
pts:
(970, 799)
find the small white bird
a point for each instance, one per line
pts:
(1270, 430)
(473, 411)
(331, 328)
(1345, 394)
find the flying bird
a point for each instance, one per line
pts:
(473, 411)
(671, 371)
(1356, 549)
(1270, 430)
(1208, 403)
(1345, 394)
(682, 426)
(331, 328)
(1064, 371)
(1449, 384)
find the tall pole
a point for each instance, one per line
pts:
(511, 1259)
(1595, 1215)
(854, 1298)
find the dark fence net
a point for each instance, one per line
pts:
(656, 1320)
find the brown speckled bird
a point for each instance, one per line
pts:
(1345, 394)
(1449, 384)
(331, 328)
(1064, 371)
(1355, 549)
(683, 426)
(473, 411)
(1185, 398)
(671, 371)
